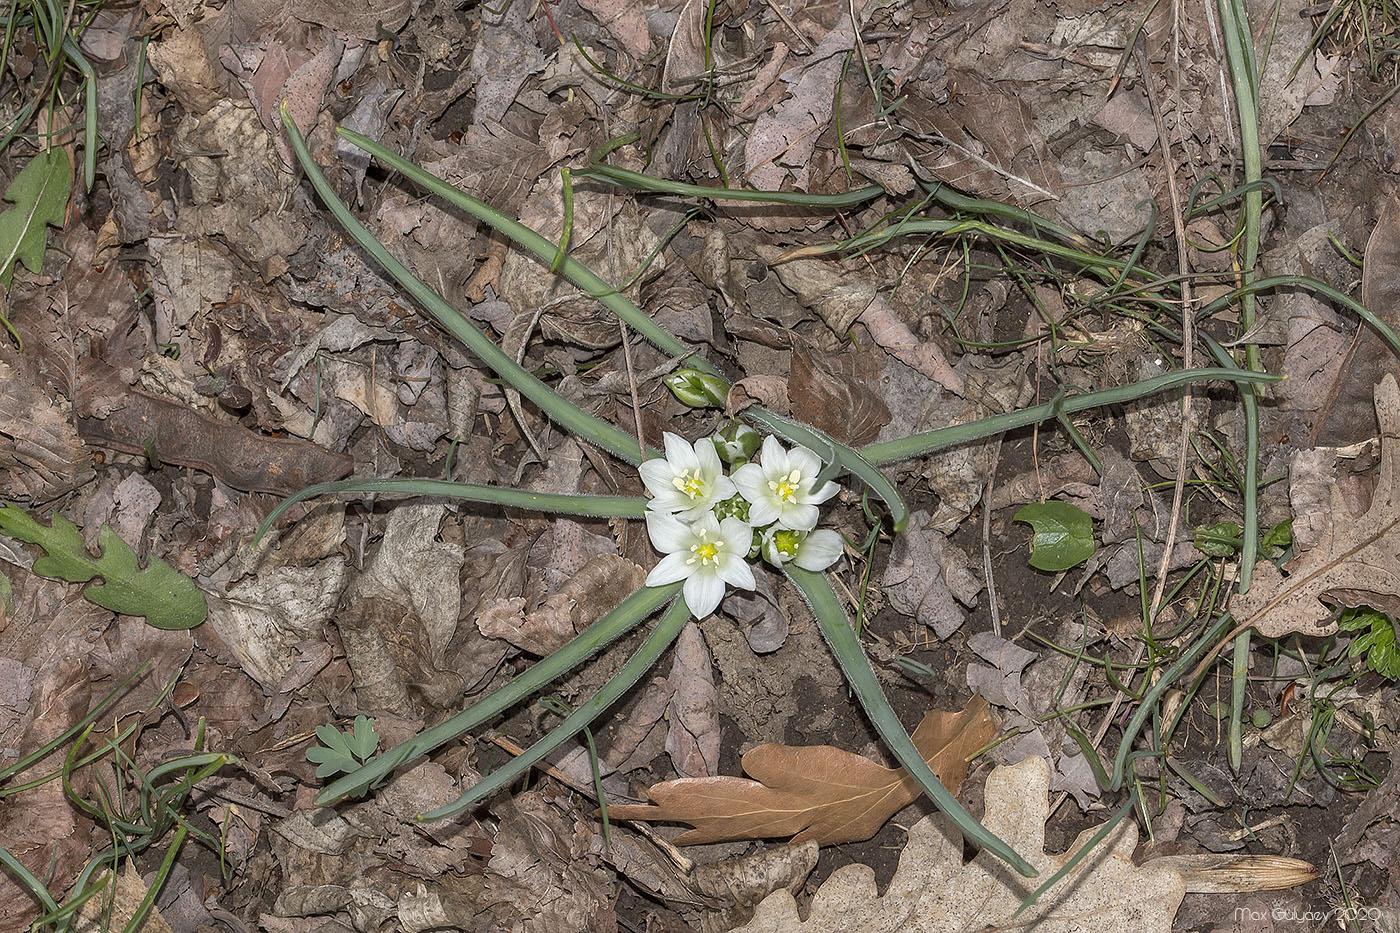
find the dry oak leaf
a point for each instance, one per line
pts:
(818, 792)
(934, 892)
(1356, 562)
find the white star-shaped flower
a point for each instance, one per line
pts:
(810, 550)
(706, 554)
(780, 489)
(689, 481)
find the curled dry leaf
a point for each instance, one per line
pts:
(817, 792)
(1354, 563)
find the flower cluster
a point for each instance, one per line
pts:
(708, 524)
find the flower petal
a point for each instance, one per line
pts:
(805, 461)
(736, 571)
(703, 591)
(668, 534)
(819, 550)
(657, 475)
(723, 487)
(737, 535)
(710, 465)
(750, 481)
(797, 517)
(679, 453)
(671, 568)
(763, 511)
(821, 495)
(772, 452)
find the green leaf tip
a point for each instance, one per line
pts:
(165, 597)
(1064, 534)
(40, 196)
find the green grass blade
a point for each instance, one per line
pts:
(831, 618)
(91, 140)
(1154, 693)
(26, 877)
(607, 436)
(847, 458)
(588, 506)
(580, 275)
(640, 182)
(628, 614)
(919, 444)
(646, 656)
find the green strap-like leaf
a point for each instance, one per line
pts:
(630, 613)
(640, 182)
(566, 414)
(667, 628)
(573, 270)
(836, 627)
(588, 506)
(917, 445)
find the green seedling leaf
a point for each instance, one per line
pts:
(1376, 640)
(1278, 540)
(1064, 534)
(40, 195)
(167, 598)
(1219, 540)
(343, 751)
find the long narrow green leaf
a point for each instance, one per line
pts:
(607, 436)
(640, 182)
(850, 460)
(919, 444)
(628, 614)
(831, 618)
(589, 506)
(667, 628)
(573, 270)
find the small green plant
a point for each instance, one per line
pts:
(693, 515)
(1063, 534)
(1375, 638)
(167, 598)
(141, 810)
(343, 751)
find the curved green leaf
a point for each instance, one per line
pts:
(836, 627)
(646, 656)
(628, 614)
(1064, 534)
(570, 416)
(585, 505)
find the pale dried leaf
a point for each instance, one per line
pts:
(934, 892)
(1355, 562)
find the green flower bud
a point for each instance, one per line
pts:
(781, 545)
(735, 506)
(736, 444)
(697, 389)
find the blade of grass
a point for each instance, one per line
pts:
(609, 437)
(667, 628)
(586, 505)
(842, 640)
(628, 614)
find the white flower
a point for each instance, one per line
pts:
(780, 489)
(706, 554)
(810, 550)
(689, 481)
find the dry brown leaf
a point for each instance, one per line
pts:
(818, 792)
(1355, 563)
(839, 393)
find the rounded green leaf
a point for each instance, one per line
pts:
(1064, 534)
